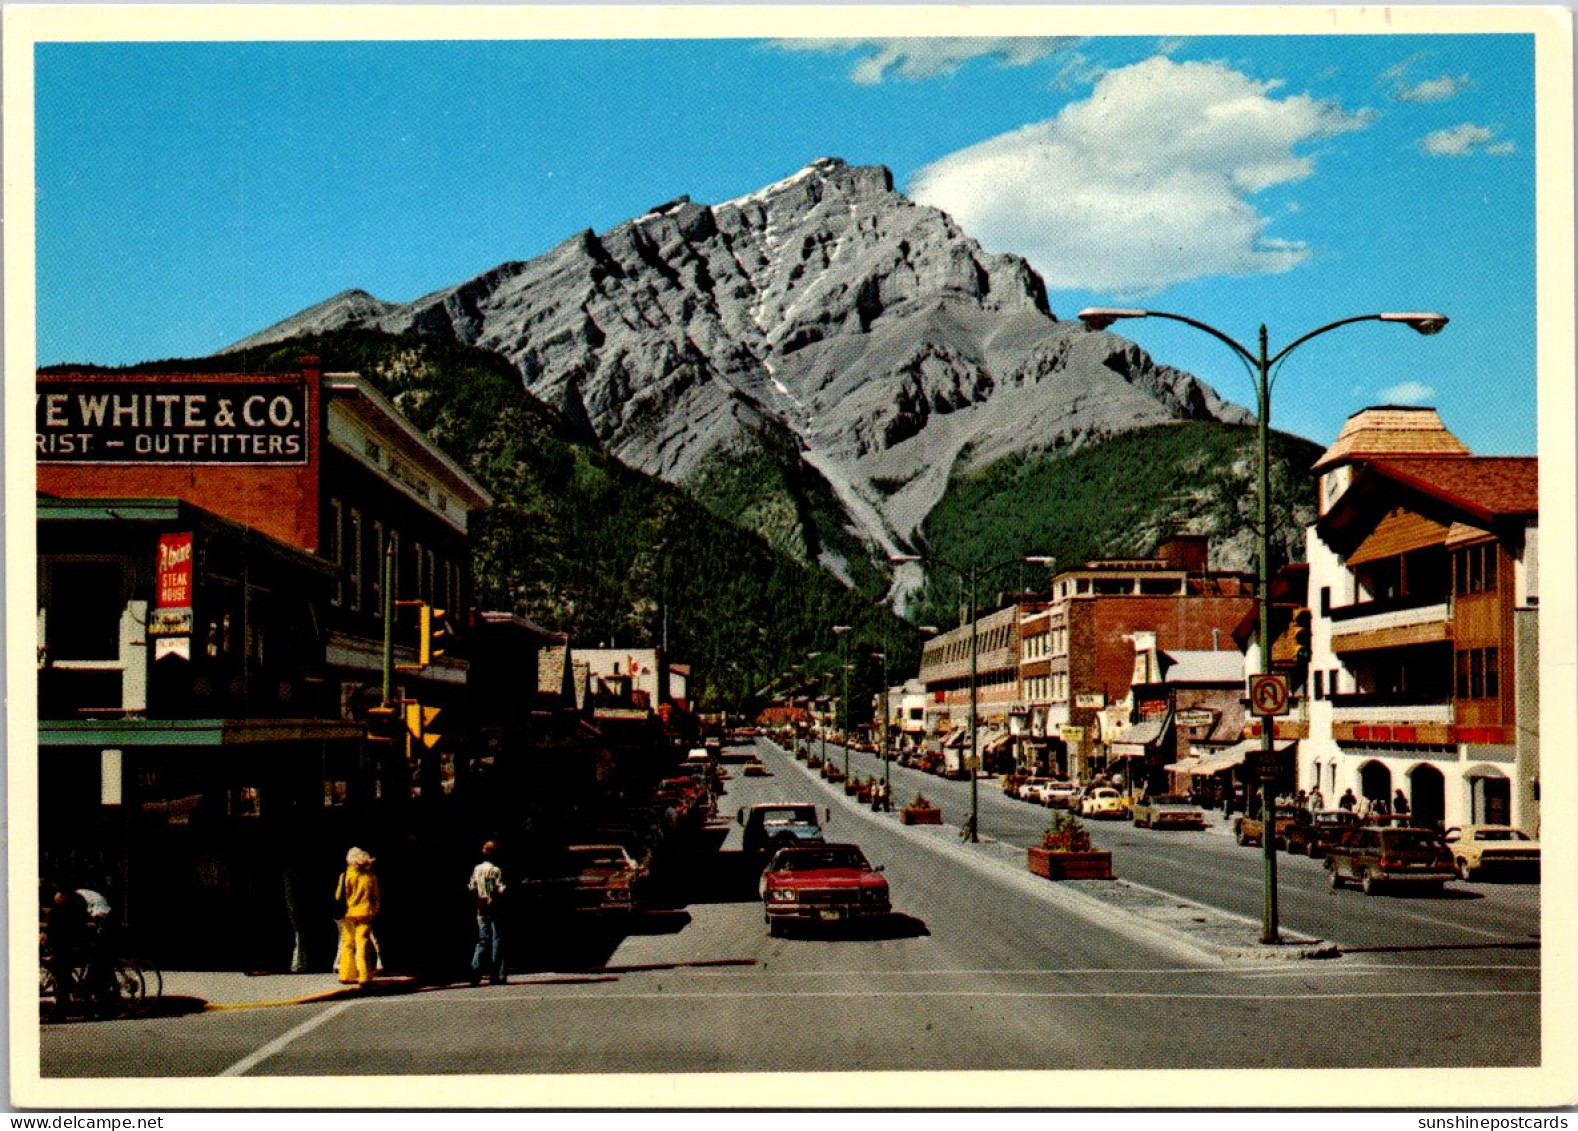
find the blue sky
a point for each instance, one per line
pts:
(190, 194)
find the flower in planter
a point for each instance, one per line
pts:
(920, 802)
(1066, 834)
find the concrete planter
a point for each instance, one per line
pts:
(1070, 865)
(920, 816)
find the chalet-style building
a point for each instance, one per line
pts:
(1424, 584)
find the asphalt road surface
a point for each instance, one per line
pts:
(982, 967)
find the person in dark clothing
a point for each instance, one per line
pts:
(1347, 801)
(65, 942)
(1400, 803)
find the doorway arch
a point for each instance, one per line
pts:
(1375, 781)
(1427, 795)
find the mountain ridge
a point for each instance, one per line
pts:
(825, 320)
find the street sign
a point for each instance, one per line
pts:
(1268, 695)
(1265, 765)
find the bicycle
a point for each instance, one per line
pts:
(119, 988)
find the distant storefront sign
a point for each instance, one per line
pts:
(1073, 736)
(187, 422)
(1195, 717)
(1094, 700)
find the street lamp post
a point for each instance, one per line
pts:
(972, 576)
(887, 710)
(1261, 364)
(842, 631)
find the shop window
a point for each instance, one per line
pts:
(245, 802)
(83, 602)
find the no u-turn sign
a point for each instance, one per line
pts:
(1268, 695)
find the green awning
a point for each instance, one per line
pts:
(192, 732)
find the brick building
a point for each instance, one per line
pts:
(211, 630)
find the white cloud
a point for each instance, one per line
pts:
(1409, 392)
(1464, 141)
(1396, 71)
(1433, 90)
(1145, 183)
(928, 58)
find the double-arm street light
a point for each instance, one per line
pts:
(1261, 365)
(972, 576)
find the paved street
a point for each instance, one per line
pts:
(983, 967)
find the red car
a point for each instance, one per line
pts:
(822, 883)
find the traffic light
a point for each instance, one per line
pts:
(419, 720)
(1302, 650)
(382, 723)
(433, 635)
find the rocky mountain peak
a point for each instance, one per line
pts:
(825, 315)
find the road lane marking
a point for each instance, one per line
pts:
(284, 1040)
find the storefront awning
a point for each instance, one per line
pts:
(1233, 756)
(1184, 765)
(1134, 741)
(956, 738)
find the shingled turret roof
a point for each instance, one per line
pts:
(1392, 430)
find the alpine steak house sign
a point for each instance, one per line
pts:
(192, 422)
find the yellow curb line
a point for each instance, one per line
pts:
(327, 995)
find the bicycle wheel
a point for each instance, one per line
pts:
(127, 990)
(152, 979)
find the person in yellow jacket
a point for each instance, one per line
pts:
(358, 887)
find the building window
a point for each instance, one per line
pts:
(1320, 685)
(1325, 600)
(1474, 569)
(356, 579)
(421, 578)
(1478, 673)
(432, 578)
(334, 549)
(82, 610)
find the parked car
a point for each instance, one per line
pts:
(1325, 828)
(602, 879)
(1058, 794)
(1373, 856)
(1104, 801)
(1167, 811)
(1031, 789)
(1493, 850)
(1249, 830)
(822, 883)
(779, 825)
(754, 768)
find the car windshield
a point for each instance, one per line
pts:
(800, 815)
(821, 859)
